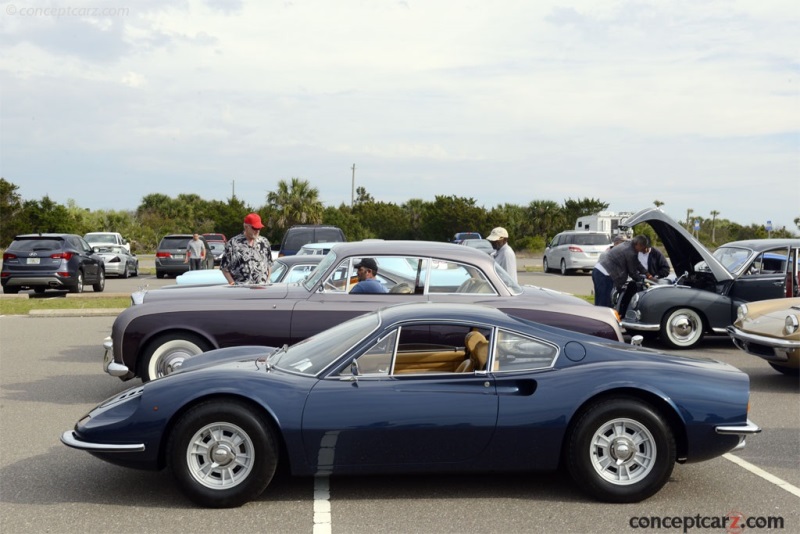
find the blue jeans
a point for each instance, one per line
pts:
(603, 284)
(196, 264)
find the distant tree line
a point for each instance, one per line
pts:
(297, 202)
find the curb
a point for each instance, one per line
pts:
(88, 312)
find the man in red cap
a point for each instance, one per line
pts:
(247, 258)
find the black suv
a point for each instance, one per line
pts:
(171, 254)
(51, 261)
(303, 234)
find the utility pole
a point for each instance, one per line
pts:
(353, 189)
(233, 189)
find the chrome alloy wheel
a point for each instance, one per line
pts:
(220, 456)
(623, 451)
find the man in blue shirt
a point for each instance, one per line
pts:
(367, 269)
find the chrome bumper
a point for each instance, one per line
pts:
(780, 347)
(68, 438)
(739, 430)
(627, 325)
(109, 365)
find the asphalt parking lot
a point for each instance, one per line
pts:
(50, 375)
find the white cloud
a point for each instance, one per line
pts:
(692, 103)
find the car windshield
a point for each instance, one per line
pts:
(320, 271)
(732, 258)
(36, 244)
(100, 238)
(315, 354)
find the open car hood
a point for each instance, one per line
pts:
(683, 249)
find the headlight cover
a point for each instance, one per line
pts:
(741, 312)
(790, 325)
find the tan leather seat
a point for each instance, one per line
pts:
(474, 342)
(403, 288)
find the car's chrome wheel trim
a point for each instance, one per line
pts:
(220, 456)
(169, 357)
(684, 327)
(623, 451)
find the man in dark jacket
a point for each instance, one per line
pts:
(654, 260)
(615, 267)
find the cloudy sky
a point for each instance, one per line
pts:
(694, 103)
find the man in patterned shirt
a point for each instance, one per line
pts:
(247, 258)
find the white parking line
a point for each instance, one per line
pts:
(794, 490)
(322, 505)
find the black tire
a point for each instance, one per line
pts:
(564, 271)
(124, 272)
(682, 328)
(39, 290)
(78, 287)
(100, 285)
(621, 450)
(10, 290)
(222, 454)
(788, 371)
(545, 265)
(159, 274)
(135, 270)
(167, 352)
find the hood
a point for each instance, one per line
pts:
(253, 356)
(213, 292)
(683, 249)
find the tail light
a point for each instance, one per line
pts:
(63, 274)
(8, 256)
(163, 255)
(573, 248)
(115, 260)
(62, 256)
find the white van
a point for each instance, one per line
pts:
(573, 250)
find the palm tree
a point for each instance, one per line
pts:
(658, 203)
(297, 203)
(714, 214)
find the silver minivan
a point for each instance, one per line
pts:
(573, 250)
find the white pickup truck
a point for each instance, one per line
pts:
(104, 239)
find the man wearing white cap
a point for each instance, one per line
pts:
(504, 254)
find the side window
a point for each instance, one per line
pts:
(340, 280)
(451, 277)
(769, 262)
(514, 352)
(377, 360)
(298, 272)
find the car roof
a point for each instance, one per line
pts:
(44, 236)
(412, 248)
(294, 260)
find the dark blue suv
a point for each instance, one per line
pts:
(51, 261)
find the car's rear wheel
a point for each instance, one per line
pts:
(39, 290)
(621, 450)
(124, 272)
(222, 454)
(78, 287)
(545, 266)
(167, 353)
(789, 371)
(100, 285)
(159, 274)
(564, 271)
(10, 290)
(682, 328)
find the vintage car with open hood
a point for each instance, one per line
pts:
(425, 388)
(166, 326)
(709, 286)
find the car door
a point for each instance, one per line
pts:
(90, 262)
(383, 418)
(332, 303)
(764, 278)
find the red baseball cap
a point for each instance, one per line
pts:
(254, 220)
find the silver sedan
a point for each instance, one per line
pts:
(118, 261)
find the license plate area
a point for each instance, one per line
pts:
(33, 261)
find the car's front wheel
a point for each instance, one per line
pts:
(682, 328)
(621, 450)
(167, 353)
(100, 285)
(545, 266)
(222, 454)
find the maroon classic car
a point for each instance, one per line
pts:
(166, 326)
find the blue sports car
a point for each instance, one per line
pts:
(420, 388)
